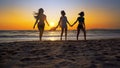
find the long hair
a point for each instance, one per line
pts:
(40, 11)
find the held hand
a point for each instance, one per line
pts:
(48, 25)
(33, 27)
(56, 27)
(71, 25)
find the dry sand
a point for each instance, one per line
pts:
(61, 54)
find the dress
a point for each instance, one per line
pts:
(63, 22)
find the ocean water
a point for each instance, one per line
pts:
(32, 35)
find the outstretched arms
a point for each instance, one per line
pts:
(37, 21)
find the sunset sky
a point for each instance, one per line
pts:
(100, 14)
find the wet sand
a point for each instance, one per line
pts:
(61, 54)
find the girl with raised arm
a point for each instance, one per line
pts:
(63, 24)
(81, 25)
(40, 19)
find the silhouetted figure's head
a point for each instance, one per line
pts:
(63, 13)
(81, 14)
(41, 10)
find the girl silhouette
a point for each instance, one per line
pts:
(63, 24)
(81, 25)
(40, 18)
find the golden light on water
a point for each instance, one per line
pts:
(52, 39)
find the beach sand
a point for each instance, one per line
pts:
(61, 54)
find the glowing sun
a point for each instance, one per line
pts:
(52, 24)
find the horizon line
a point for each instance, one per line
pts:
(60, 30)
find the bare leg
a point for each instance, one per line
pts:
(84, 31)
(61, 33)
(65, 33)
(40, 34)
(85, 35)
(41, 30)
(78, 31)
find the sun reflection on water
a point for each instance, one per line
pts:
(52, 39)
